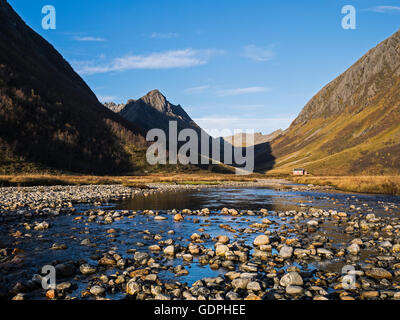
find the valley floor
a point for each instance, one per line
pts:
(362, 184)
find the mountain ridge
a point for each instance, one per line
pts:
(352, 125)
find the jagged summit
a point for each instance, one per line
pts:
(153, 110)
(157, 100)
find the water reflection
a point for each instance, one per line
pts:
(214, 199)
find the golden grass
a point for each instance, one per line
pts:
(363, 184)
(182, 178)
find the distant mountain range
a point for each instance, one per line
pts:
(248, 139)
(352, 126)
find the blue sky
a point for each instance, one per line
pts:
(231, 64)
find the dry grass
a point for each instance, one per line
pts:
(363, 184)
(197, 178)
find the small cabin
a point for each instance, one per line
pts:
(299, 172)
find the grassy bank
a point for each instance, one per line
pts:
(48, 180)
(363, 184)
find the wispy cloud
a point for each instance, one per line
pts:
(106, 98)
(240, 91)
(385, 9)
(159, 60)
(196, 90)
(169, 35)
(90, 39)
(258, 54)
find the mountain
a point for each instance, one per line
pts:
(352, 126)
(49, 117)
(248, 139)
(154, 111)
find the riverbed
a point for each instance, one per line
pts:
(314, 228)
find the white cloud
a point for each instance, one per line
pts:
(385, 9)
(159, 60)
(258, 54)
(93, 39)
(196, 90)
(170, 35)
(240, 91)
(264, 125)
(106, 98)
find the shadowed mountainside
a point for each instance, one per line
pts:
(49, 117)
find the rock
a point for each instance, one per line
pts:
(396, 248)
(155, 248)
(221, 250)
(240, 283)
(50, 294)
(194, 249)
(86, 242)
(97, 290)
(187, 257)
(325, 252)
(369, 294)
(378, 273)
(266, 221)
(132, 287)
(87, 269)
(354, 249)
(286, 252)
(151, 277)
(57, 246)
(141, 256)
(312, 223)
(64, 286)
(41, 226)
(195, 237)
(254, 286)
(261, 240)
(292, 278)
(160, 296)
(252, 296)
(160, 218)
(232, 275)
(294, 290)
(223, 239)
(170, 250)
(105, 261)
(178, 217)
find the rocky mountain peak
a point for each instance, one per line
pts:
(157, 100)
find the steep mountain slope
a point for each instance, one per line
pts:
(49, 118)
(352, 126)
